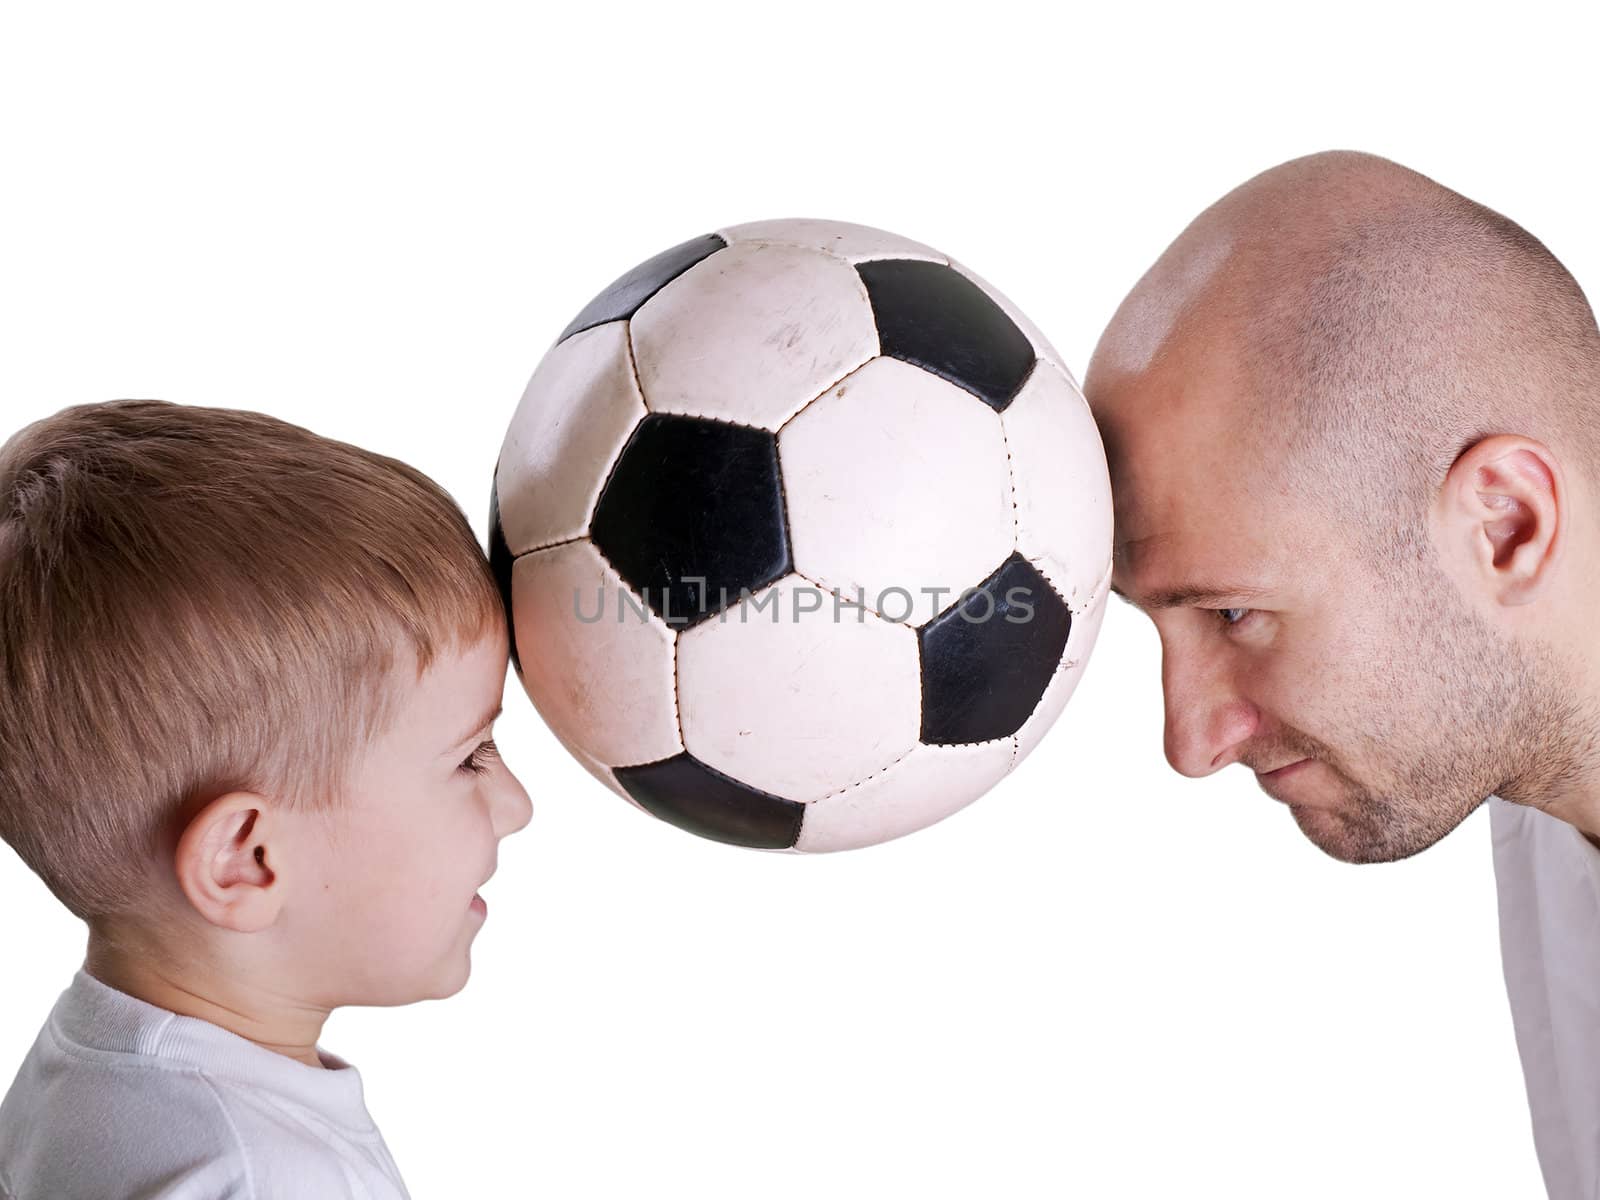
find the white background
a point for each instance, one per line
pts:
(1100, 980)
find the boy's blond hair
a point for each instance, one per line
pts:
(197, 600)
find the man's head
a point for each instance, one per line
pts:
(238, 663)
(1362, 413)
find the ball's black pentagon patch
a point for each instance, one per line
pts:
(685, 792)
(502, 562)
(987, 659)
(692, 514)
(627, 295)
(938, 319)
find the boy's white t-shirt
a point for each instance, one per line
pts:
(1548, 878)
(120, 1098)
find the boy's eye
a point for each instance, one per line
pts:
(478, 761)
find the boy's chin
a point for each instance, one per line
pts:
(448, 978)
(453, 976)
(455, 983)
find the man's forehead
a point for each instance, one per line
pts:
(1196, 490)
(1218, 546)
(1178, 423)
(1182, 554)
(1166, 571)
(1177, 496)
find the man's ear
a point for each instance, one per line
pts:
(1499, 518)
(225, 862)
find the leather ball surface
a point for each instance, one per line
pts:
(804, 533)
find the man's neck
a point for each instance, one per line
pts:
(1575, 807)
(273, 1022)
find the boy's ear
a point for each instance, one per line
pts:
(225, 863)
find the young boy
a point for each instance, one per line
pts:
(247, 682)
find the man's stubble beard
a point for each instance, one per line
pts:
(1481, 716)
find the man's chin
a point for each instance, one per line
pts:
(1360, 837)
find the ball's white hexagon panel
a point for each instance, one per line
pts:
(926, 786)
(785, 694)
(1062, 487)
(599, 672)
(1041, 344)
(897, 479)
(1086, 621)
(853, 243)
(752, 334)
(576, 413)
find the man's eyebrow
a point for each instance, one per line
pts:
(486, 719)
(1209, 595)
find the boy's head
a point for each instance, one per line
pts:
(238, 662)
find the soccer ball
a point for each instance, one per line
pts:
(804, 533)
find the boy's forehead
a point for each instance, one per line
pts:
(462, 687)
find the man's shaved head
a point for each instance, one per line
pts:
(1365, 411)
(1382, 322)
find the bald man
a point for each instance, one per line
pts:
(1353, 425)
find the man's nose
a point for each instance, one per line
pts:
(1208, 723)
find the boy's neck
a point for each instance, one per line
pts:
(272, 1022)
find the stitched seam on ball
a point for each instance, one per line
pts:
(1042, 564)
(1011, 479)
(638, 387)
(1012, 738)
(552, 545)
(783, 499)
(866, 778)
(703, 416)
(876, 354)
(677, 715)
(905, 624)
(633, 366)
(844, 599)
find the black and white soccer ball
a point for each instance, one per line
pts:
(804, 533)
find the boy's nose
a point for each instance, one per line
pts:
(515, 810)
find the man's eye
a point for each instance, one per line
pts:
(1234, 621)
(478, 761)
